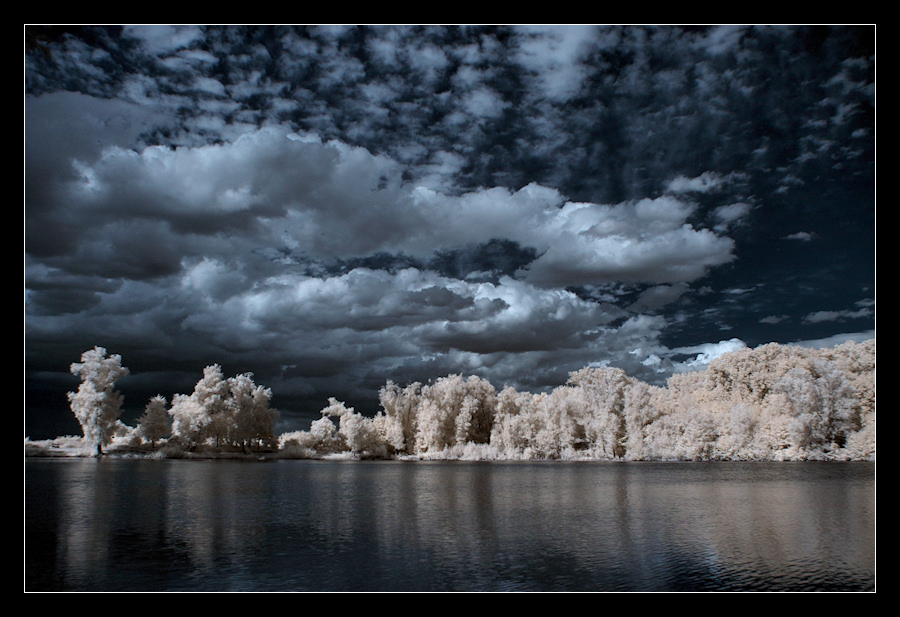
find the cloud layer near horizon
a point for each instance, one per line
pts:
(252, 244)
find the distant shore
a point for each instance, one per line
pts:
(69, 447)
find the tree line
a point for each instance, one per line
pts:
(774, 402)
(222, 413)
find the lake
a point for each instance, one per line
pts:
(225, 525)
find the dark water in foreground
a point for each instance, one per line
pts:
(143, 525)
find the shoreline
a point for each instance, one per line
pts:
(72, 447)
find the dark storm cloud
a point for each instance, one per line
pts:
(332, 207)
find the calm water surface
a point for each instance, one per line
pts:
(142, 525)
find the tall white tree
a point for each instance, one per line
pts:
(211, 395)
(248, 415)
(96, 404)
(600, 409)
(400, 412)
(453, 411)
(201, 415)
(356, 433)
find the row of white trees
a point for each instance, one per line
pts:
(775, 402)
(232, 413)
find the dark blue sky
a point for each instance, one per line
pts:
(333, 207)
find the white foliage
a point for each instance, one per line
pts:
(96, 404)
(399, 405)
(232, 412)
(199, 415)
(321, 439)
(600, 407)
(685, 434)
(189, 418)
(774, 402)
(740, 437)
(153, 425)
(248, 415)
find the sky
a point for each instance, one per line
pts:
(332, 207)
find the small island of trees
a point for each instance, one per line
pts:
(772, 403)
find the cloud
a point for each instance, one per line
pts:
(837, 339)
(273, 188)
(164, 39)
(659, 296)
(648, 241)
(703, 354)
(704, 183)
(66, 126)
(722, 39)
(730, 214)
(826, 316)
(554, 56)
(800, 235)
